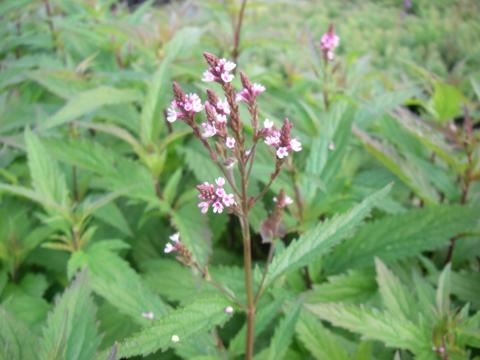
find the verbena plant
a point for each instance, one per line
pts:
(362, 245)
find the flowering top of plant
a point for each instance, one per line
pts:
(219, 70)
(328, 43)
(217, 197)
(223, 136)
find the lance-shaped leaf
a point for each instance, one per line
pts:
(114, 279)
(203, 314)
(89, 101)
(47, 179)
(375, 325)
(323, 237)
(71, 331)
(16, 339)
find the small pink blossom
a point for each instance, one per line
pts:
(220, 70)
(174, 245)
(267, 124)
(204, 206)
(221, 119)
(295, 145)
(229, 310)
(208, 76)
(228, 200)
(217, 207)
(209, 130)
(273, 140)
(223, 105)
(249, 94)
(282, 152)
(213, 196)
(288, 200)
(148, 315)
(230, 142)
(328, 43)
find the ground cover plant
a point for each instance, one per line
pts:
(239, 179)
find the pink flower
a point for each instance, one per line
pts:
(228, 200)
(215, 197)
(257, 89)
(183, 107)
(221, 119)
(267, 124)
(295, 145)
(193, 103)
(328, 43)
(288, 200)
(220, 192)
(230, 142)
(217, 207)
(249, 94)
(223, 105)
(273, 140)
(204, 206)
(174, 245)
(209, 130)
(208, 76)
(219, 71)
(148, 315)
(282, 152)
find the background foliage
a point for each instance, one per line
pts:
(93, 181)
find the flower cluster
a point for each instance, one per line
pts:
(217, 197)
(219, 70)
(217, 111)
(328, 43)
(281, 139)
(181, 107)
(250, 91)
(175, 245)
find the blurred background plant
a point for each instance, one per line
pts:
(93, 177)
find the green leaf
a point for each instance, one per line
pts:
(396, 297)
(443, 291)
(47, 179)
(323, 237)
(89, 101)
(71, 331)
(203, 314)
(352, 287)
(407, 172)
(402, 235)
(321, 342)
(283, 335)
(194, 231)
(171, 188)
(16, 339)
(373, 324)
(446, 102)
(151, 118)
(114, 279)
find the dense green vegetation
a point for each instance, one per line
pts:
(365, 244)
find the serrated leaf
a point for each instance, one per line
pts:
(159, 86)
(318, 340)
(323, 237)
(114, 279)
(446, 101)
(47, 179)
(442, 296)
(282, 336)
(395, 296)
(70, 331)
(194, 232)
(202, 314)
(16, 339)
(402, 235)
(89, 101)
(352, 287)
(373, 324)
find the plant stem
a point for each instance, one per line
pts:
(237, 32)
(247, 258)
